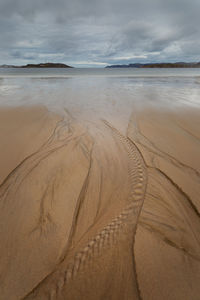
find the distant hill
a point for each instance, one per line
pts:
(126, 66)
(41, 65)
(159, 65)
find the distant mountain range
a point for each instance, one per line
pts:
(136, 65)
(41, 65)
(159, 65)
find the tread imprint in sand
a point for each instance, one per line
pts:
(108, 235)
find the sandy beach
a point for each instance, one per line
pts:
(99, 210)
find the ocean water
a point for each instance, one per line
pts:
(101, 92)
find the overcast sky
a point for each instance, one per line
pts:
(99, 32)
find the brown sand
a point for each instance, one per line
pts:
(89, 213)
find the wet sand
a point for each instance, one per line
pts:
(89, 211)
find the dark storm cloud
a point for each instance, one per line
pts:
(93, 32)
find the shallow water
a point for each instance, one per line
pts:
(101, 93)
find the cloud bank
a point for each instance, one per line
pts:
(97, 33)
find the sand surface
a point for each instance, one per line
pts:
(90, 213)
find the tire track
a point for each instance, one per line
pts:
(128, 219)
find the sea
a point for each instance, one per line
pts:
(100, 93)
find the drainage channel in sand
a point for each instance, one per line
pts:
(86, 271)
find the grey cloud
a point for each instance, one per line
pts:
(106, 31)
